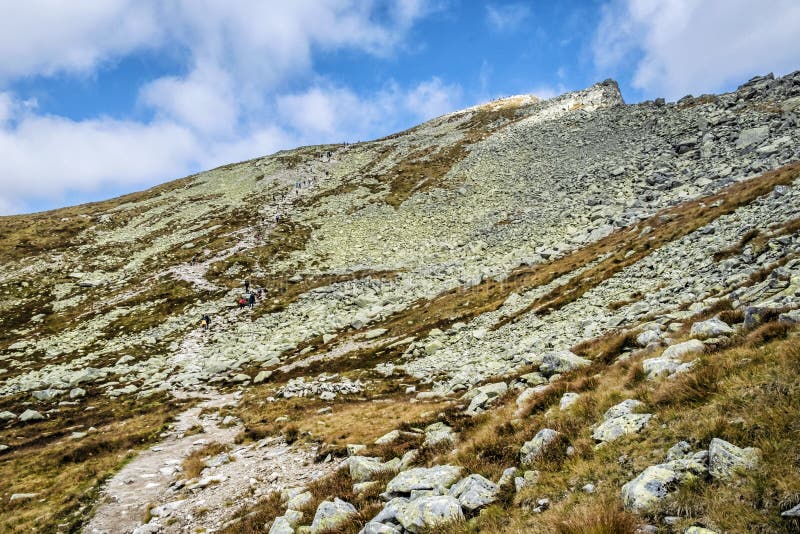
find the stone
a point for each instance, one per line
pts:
(428, 513)
(439, 477)
(653, 484)
(537, 447)
(699, 530)
(376, 332)
(679, 350)
(623, 408)
(29, 416)
(474, 492)
(281, 525)
(23, 496)
(752, 136)
(364, 468)
(390, 510)
(792, 512)
(7, 416)
(647, 337)
(711, 328)
(76, 393)
(725, 459)
(561, 362)
(567, 400)
(533, 379)
(378, 528)
(679, 451)
(354, 448)
(331, 515)
(301, 500)
(46, 394)
(389, 437)
(438, 434)
(262, 376)
(616, 427)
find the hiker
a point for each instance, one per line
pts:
(277, 217)
(242, 302)
(206, 321)
(194, 259)
(252, 300)
(260, 291)
(246, 286)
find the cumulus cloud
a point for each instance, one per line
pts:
(697, 46)
(232, 102)
(44, 37)
(334, 112)
(506, 17)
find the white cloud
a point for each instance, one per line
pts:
(697, 46)
(432, 98)
(47, 37)
(226, 106)
(337, 113)
(506, 17)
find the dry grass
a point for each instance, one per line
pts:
(194, 463)
(67, 473)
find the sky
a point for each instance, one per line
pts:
(102, 98)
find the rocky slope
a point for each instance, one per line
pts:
(461, 275)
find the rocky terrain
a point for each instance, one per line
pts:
(563, 315)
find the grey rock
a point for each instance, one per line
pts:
(711, 328)
(615, 428)
(645, 491)
(281, 525)
(439, 477)
(752, 136)
(29, 416)
(331, 515)
(474, 492)
(679, 350)
(439, 434)
(726, 459)
(535, 448)
(561, 362)
(427, 513)
(378, 528)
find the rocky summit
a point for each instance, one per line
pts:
(561, 315)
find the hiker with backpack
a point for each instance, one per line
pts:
(252, 300)
(206, 320)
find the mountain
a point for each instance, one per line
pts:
(553, 315)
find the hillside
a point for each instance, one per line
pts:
(562, 315)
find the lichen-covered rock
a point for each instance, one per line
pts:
(726, 459)
(281, 525)
(378, 528)
(364, 468)
(438, 434)
(537, 447)
(299, 500)
(332, 514)
(561, 362)
(474, 492)
(390, 510)
(654, 483)
(711, 328)
(623, 408)
(427, 513)
(439, 477)
(699, 530)
(615, 428)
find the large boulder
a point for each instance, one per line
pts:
(439, 477)
(331, 515)
(561, 362)
(711, 328)
(645, 491)
(615, 428)
(537, 447)
(474, 492)
(726, 459)
(484, 396)
(427, 513)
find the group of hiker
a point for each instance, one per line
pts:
(250, 297)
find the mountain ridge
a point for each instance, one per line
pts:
(545, 245)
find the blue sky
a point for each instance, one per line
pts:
(99, 99)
